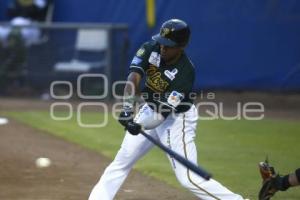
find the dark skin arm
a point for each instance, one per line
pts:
(293, 180)
(131, 89)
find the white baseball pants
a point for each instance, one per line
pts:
(178, 133)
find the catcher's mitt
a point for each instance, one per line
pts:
(270, 180)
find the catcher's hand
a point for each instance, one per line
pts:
(269, 185)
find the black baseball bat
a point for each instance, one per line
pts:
(198, 170)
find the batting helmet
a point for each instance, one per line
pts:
(173, 32)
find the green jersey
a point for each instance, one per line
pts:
(162, 80)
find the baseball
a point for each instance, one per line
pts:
(42, 162)
(3, 121)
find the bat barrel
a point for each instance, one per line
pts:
(196, 169)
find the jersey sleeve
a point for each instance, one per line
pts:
(139, 62)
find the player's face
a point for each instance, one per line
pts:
(170, 54)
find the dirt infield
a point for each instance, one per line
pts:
(75, 170)
(71, 176)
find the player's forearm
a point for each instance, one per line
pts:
(129, 96)
(131, 90)
(294, 178)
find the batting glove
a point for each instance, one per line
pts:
(125, 117)
(134, 128)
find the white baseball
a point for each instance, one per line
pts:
(42, 162)
(3, 121)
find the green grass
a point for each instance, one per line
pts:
(231, 150)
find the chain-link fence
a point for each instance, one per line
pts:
(62, 51)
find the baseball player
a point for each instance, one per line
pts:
(273, 182)
(168, 114)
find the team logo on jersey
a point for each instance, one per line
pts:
(171, 74)
(140, 52)
(154, 80)
(154, 59)
(175, 98)
(136, 60)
